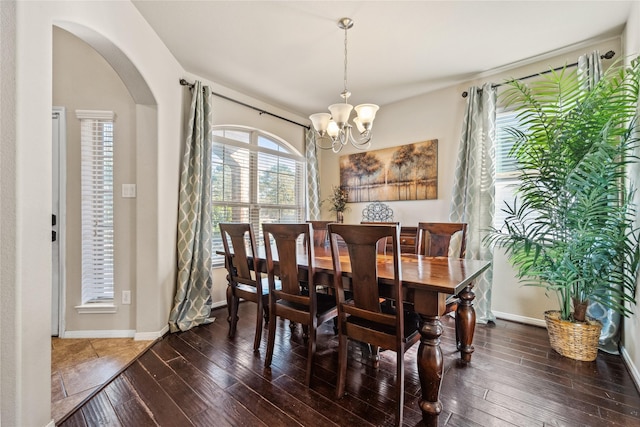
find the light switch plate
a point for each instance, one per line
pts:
(129, 191)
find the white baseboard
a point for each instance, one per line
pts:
(219, 304)
(137, 336)
(125, 333)
(51, 423)
(520, 319)
(148, 336)
(633, 369)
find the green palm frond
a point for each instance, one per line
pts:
(571, 227)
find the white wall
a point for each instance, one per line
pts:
(631, 329)
(26, 185)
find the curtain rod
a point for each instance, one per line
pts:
(183, 82)
(607, 55)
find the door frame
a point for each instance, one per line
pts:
(59, 208)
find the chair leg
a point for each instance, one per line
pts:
(258, 336)
(374, 357)
(232, 302)
(342, 365)
(311, 351)
(399, 387)
(271, 339)
(265, 309)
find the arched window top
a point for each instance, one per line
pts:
(261, 140)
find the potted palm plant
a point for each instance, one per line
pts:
(571, 227)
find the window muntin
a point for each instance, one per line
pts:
(256, 178)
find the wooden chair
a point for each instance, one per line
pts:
(287, 298)
(382, 244)
(434, 238)
(320, 232)
(244, 281)
(364, 318)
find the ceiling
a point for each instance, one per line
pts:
(291, 53)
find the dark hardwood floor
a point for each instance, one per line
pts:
(202, 378)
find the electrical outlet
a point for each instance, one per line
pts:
(126, 297)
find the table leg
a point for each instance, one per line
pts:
(430, 368)
(465, 323)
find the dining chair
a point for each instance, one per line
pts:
(320, 233)
(245, 282)
(382, 244)
(363, 317)
(288, 299)
(446, 239)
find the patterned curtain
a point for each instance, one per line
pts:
(589, 73)
(474, 187)
(313, 184)
(192, 302)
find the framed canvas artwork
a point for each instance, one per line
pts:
(407, 172)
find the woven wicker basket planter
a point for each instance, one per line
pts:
(577, 341)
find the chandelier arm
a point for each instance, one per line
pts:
(326, 139)
(361, 143)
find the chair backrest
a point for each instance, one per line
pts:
(320, 232)
(362, 241)
(285, 238)
(382, 244)
(447, 239)
(240, 250)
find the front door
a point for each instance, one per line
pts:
(58, 219)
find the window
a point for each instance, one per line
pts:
(256, 178)
(96, 140)
(507, 175)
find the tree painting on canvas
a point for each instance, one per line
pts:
(407, 172)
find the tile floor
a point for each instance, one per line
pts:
(80, 367)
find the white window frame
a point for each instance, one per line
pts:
(242, 201)
(97, 205)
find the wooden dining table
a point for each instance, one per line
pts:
(427, 283)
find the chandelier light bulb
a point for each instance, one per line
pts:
(333, 129)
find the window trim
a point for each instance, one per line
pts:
(100, 305)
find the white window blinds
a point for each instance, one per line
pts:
(507, 175)
(96, 138)
(256, 178)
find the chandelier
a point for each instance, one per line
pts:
(334, 128)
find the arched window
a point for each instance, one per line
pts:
(256, 177)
